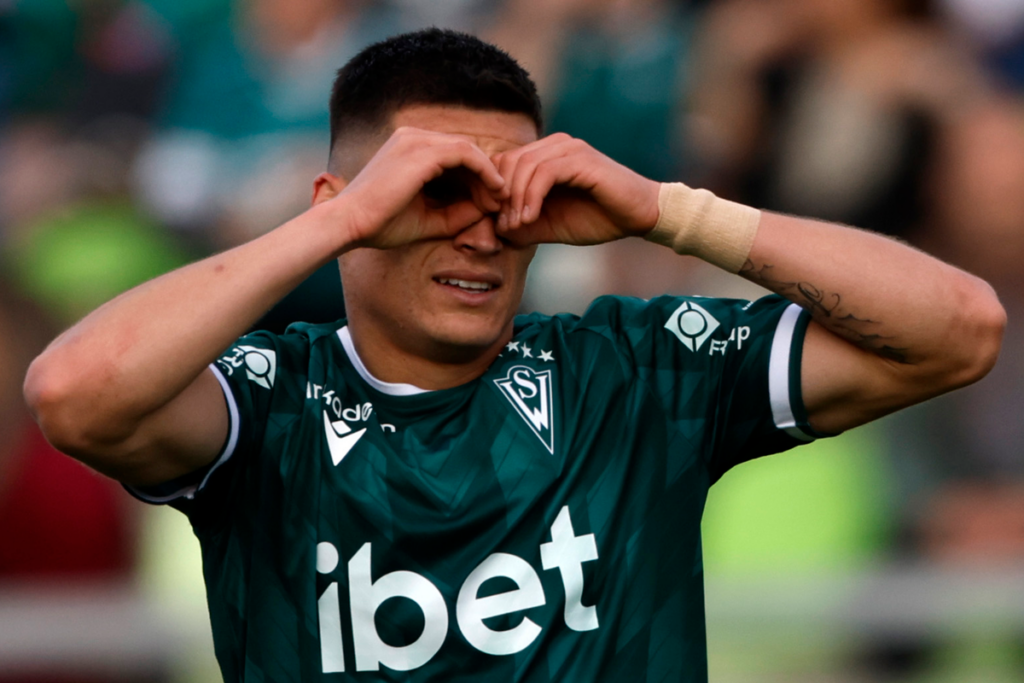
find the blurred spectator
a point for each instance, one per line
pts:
(622, 80)
(245, 123)
(997, 28)
(612, 71)
(962, 453)
(126, 52)
(827, 107)
(61, 521)
(871, 112)
(534, 32)
(73, 237)
(39, 65)
(461, 15)
(89, 252)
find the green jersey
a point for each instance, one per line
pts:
(540, 523)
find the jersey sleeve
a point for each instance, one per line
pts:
(247, 373)
(726, 372)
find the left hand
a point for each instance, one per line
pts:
(561, 189)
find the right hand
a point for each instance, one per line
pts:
(560, 189)
(386, 205)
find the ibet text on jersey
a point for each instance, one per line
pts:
(565, 552)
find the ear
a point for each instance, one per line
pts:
(327, 186)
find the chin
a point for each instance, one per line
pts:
(460, 337)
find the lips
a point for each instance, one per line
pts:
(468, 285)
(472, 283)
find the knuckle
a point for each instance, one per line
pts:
(542, 175)
(532, 157)
(507, 166)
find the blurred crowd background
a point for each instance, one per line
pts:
(137, 135)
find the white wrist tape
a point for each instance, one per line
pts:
(698, 223)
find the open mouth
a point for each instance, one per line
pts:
(466, 285)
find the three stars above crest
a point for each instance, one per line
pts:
(527, 352)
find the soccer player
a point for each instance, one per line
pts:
(436, 489)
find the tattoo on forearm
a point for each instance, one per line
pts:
(827, 309)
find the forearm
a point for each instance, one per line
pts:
(934, 326)
(879, 294)
(133, 355)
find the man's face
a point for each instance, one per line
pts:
(444, 298)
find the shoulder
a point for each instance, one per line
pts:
(614, 317)
(296, 338)
(265, 355)
(608, 334)
(604, 313)
(641, 331)
(310, 333)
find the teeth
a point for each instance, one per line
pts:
(466, 284)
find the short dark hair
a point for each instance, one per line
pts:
(432, 66)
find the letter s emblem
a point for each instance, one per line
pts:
(520, 379)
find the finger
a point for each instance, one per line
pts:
(484, 197)
(521, 169)
(439, 152)
(449, 220)
(497, 160)
(520, 181)
(527, 162)
(559, 171)
(465, 153)
(460, 216)
(508, 165)
(503, 213)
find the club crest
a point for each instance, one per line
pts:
(530, 394)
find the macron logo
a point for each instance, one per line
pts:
(340, 438)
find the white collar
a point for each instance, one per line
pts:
(389, 388)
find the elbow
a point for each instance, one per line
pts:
(977, 334)
(57, 402)
(48, 397)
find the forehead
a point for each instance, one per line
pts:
(491, 131)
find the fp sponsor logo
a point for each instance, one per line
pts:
(692, 325)
(530, 394)
(260, 365)
(565, 552)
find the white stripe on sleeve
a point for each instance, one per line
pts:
(779, 372)
(225, 455)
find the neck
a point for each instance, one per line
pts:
(437, 366)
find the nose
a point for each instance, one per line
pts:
(480, 237)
